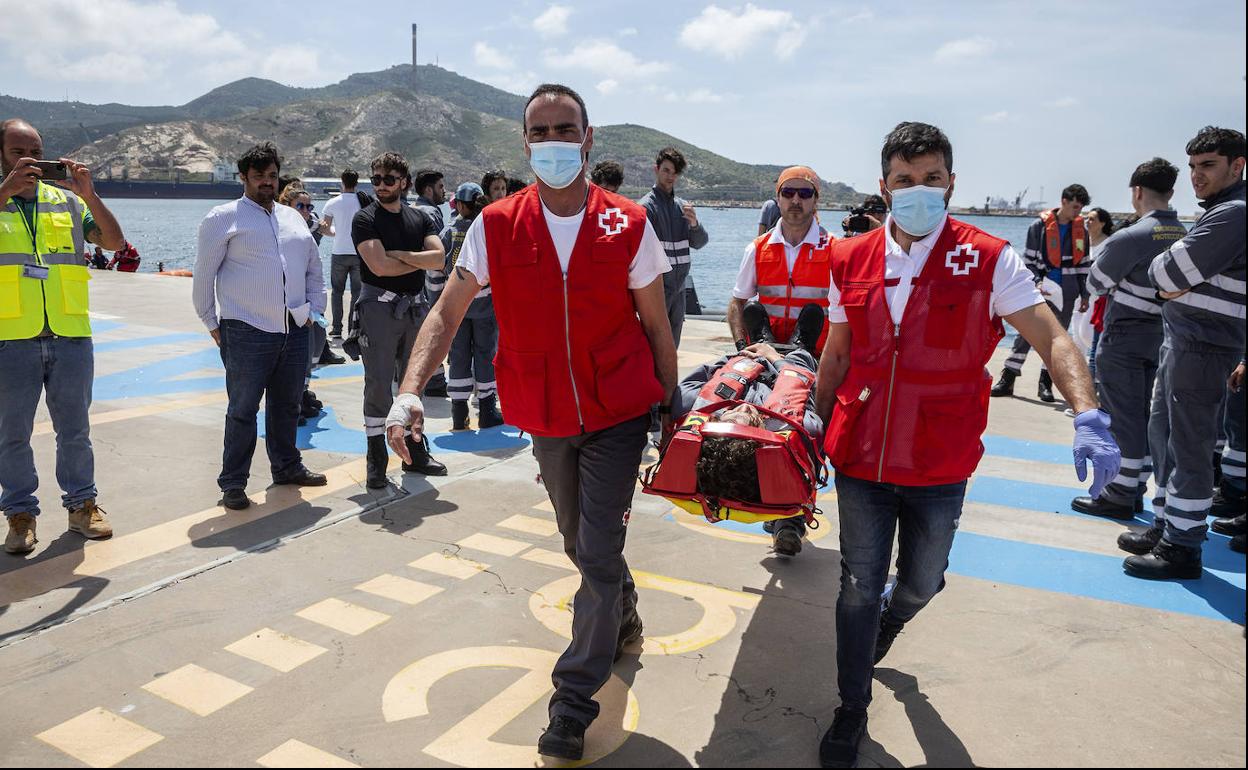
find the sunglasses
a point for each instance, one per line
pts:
(389, 180)
(304, 206)
(805, 193)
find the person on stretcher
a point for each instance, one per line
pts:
(747, 443)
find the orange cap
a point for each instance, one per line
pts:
(798, 172)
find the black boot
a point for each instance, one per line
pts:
(329, 357)
(1237, 543)
(1140, 541)
(1102, 507)
(1230, 526)
(310, 406)
(488, 415)
(757, 323)
(1225, 505)
(888, 634)
(378, 459)
(422, 462)
(564, 738)
(1045, 390)
(1005, 385)
(839, 747)
(1165, 562)
(459, 415)
(631, 631)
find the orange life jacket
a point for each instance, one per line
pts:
(1053, 238)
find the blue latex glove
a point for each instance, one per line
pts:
(1093, 442)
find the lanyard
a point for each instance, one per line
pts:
(31, 225)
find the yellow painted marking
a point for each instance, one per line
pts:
(500, 546)
(100, 738)
(469, 743)
(197, 690)
(552, 606)
(450, 565)
(275, 649)
(343, 616)
(557, 559)
(545, 505)
(701, 525)
(167, 404)
(99, 556)
(293, 753)
(530, 525)
(400, 589)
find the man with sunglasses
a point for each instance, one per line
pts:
(397, 243)
(584, 349)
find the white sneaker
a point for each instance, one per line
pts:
(1069, 413)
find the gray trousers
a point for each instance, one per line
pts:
(674, 294)
(1182, 432)
(1233, 480)
(387, 332)
(472, 359)
(590, 479)
(1126, 365)
(342, 267)
(1018, 355)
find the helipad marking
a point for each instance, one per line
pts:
(450, 565)
(294, 753)
(738, 532)
(557, 559)
(197, 690)
(276, 650)
(545, 505)
(500, 546)
(469, 743)
(530, 525)
(100, 738)
(400, 589)
(343, 616)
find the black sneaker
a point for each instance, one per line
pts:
(786, 542)
(1102, 507)
(564, 739)
(235, 499)
(839, 747)
(888, 634)
(1165, 562)
(630, 633)
(1141, 541)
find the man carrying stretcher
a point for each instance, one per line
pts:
(747, 443)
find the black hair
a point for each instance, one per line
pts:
(608, 172)
(1106, 220)
(673, 156)
(874, 204)
(1224, 141)
(259, 158)
(911, 140)
(14, 123)
(350, 178)
(1077, 192)
(515, 185)
(726, 469)
(1157, 175)
(491, 177)
(426, 177)
(555, 90)
(391, 161)
(286, 181)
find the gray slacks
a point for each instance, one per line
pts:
(387, 333)
(1126, 362)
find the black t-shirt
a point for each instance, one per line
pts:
(404, 231)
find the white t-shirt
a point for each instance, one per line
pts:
(648, 263)
(1013, 285)
(747, 276)
(343, 208)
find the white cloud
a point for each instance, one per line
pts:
(1064, 102)
(730, 34)
(966, 48)
(865, 14)
(553, 22)
(486, 55)
(295, 65)
(704, 96)
(627, 32)
(516, 82)
(608, 86)
(603, 57)
(996, 117)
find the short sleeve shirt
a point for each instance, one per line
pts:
(343, 209)
(404, 231)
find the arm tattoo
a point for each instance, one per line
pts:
(461, 273)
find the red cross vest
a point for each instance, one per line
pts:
(784, 294)
(572, 354)
(1053, 238)
(914, 402)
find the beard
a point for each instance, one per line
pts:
(387, 196)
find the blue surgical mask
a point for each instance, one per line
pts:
(558, 164)
(918, 210)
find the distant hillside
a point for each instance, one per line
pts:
(435, 117)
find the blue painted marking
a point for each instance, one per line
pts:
(326, 433)
(1048, 498)
(339, 370)
(146, 342)
(101, 326)
(503, 437)
(1036, 451)
(156, 378)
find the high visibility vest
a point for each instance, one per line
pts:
(784, 294)
(56, 244)
(1053, 239)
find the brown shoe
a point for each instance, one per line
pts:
(90, 521)
(21, 538)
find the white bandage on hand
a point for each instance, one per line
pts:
(401, 413)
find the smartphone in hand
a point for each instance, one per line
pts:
(53, 170)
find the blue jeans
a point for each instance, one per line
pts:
(64, 367)
(869, 514)
(259, 364)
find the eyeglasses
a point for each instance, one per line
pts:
(805, 193)
(389, 180)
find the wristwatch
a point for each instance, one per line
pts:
(741, 345)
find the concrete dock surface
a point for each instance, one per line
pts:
(417, 626)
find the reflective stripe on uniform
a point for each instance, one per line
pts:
(1212, 304)
(1136, 303)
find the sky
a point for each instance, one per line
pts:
(1033, 95)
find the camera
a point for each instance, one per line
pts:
(857, 222)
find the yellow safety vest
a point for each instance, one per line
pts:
(56, 244)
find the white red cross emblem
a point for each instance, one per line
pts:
(962, 259)
(612, 221)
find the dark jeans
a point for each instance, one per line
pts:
(870, 513)
(342, 266)
(259, 364)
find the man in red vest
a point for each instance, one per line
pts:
(584, 349)
(787, 268)
(916, 310)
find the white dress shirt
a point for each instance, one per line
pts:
(747, 276)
